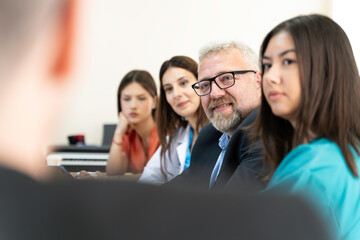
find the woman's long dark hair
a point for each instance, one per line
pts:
(330, 92)
(168, 121)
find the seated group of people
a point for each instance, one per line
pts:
(273, 127)
(161, 144)
(155, 136)
(286, 126)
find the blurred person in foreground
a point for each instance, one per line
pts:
(36, 41)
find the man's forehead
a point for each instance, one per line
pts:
(219, 62)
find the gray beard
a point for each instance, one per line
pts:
(227, 124)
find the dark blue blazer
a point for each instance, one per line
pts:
(242, 167)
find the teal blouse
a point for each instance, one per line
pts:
(318, 170)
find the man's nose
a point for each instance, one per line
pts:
(216, 92)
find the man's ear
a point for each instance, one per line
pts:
(65, 34)
(258, 80)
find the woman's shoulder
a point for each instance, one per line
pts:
(316, 150)
(182, 132)
(318, 170)
(320, 157)
(319, 164)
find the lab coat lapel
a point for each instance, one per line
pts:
(182, 147)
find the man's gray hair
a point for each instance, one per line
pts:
(221, 46)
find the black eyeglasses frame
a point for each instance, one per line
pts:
(210, 80)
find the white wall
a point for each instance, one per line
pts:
(346, 14)
(122, 35)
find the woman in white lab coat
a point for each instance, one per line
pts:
(180, 117)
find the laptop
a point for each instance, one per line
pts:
(108, 133)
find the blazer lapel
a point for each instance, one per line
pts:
(232, 159)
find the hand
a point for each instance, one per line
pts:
(83, 175)
(101, 175)
(122, 126)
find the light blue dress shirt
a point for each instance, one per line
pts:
(318, 171)
(223, 143)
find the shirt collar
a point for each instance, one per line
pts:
(223, 141)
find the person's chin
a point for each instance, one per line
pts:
(134, 121)
(223, 115)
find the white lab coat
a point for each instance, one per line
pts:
(175, 162)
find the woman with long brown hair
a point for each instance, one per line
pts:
(309, 118)
(180, 117)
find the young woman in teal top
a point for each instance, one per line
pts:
(309, 118)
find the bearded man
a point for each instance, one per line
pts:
(230, 89)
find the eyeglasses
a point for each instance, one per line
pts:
(223, 81)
